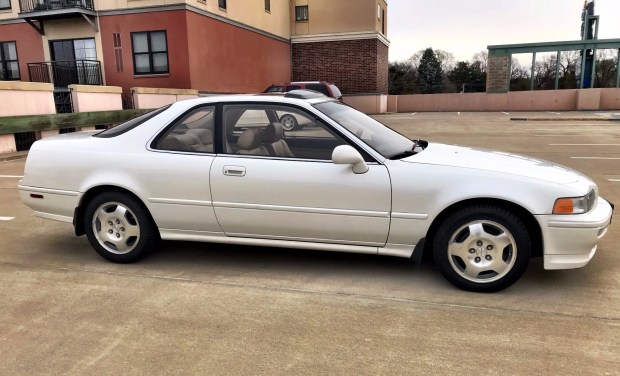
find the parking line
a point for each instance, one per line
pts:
(413, 113)
(7, 218)
(614, 180)
(459, 113)
(597, 158)
(555, 113)
(11, 176)
(506, 113)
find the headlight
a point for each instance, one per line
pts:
(575, 205)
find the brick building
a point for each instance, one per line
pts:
(214, 46)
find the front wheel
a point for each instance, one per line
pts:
(119, 228)
(289, 123)
(482, 248)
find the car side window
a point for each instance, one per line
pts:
(277, 131)
(192, 132)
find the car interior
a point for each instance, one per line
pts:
(252, 130)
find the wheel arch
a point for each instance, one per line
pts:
(78, 216)
(523, 214)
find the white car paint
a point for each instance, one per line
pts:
(286, 202)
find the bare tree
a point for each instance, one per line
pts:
(606, 68)
(481, 59)
(519, 76)
(544, 73)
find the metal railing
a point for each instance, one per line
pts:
(44, 5)
(67, 72)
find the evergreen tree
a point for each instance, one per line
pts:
(430, 74)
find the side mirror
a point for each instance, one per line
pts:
(345, 154)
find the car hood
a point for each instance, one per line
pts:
(496, 161)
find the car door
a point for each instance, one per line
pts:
(304, 197)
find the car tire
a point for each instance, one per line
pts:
(289, 123)
(482, 248)
(119, 228)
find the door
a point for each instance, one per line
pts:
(298, 194)
(63, 63)
(74, 62)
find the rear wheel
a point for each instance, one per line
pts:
(119, 228)
(482, 248)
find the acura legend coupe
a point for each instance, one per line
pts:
(223, 169)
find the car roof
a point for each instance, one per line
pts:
(253, 98)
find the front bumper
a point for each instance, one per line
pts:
(570, 241)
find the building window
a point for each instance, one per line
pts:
(268, 5)
(301, 13)
(150, 52)
(5, 4)
(9, 66)
(221, 4)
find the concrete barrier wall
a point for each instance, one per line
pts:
(610, 99)
(543, 100)
(556, 100)
(23, 98)
(89, 98)
(145, 97)
(369, 104)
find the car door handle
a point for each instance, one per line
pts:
(234, 171)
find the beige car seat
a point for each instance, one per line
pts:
(273, 140)
(250, 142)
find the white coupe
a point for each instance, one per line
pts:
(200, 170)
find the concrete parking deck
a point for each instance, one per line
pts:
(228, 310)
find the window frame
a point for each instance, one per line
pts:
(3, 61)
(222, 137)
(222, 4)
(150, 53)
(299, 18)
(154, 144)
(268, 6)
(6, 8)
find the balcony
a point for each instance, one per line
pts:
(65, 73)
(51, 7)
(40, 10)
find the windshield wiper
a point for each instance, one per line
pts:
(418, 146)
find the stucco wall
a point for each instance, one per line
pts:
(203, 53)
(610, 99)
(87, 98)
(544, 100)
(145, 98)
(23, 98)
(369, 104)
(341, 16)
(28, 42)
(227, 59)
(175, 25)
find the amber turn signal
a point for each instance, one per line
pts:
(564, 206)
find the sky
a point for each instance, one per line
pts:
(464, 27)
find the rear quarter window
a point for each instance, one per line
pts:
(131, 124)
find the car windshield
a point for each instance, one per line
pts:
(384, 140)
